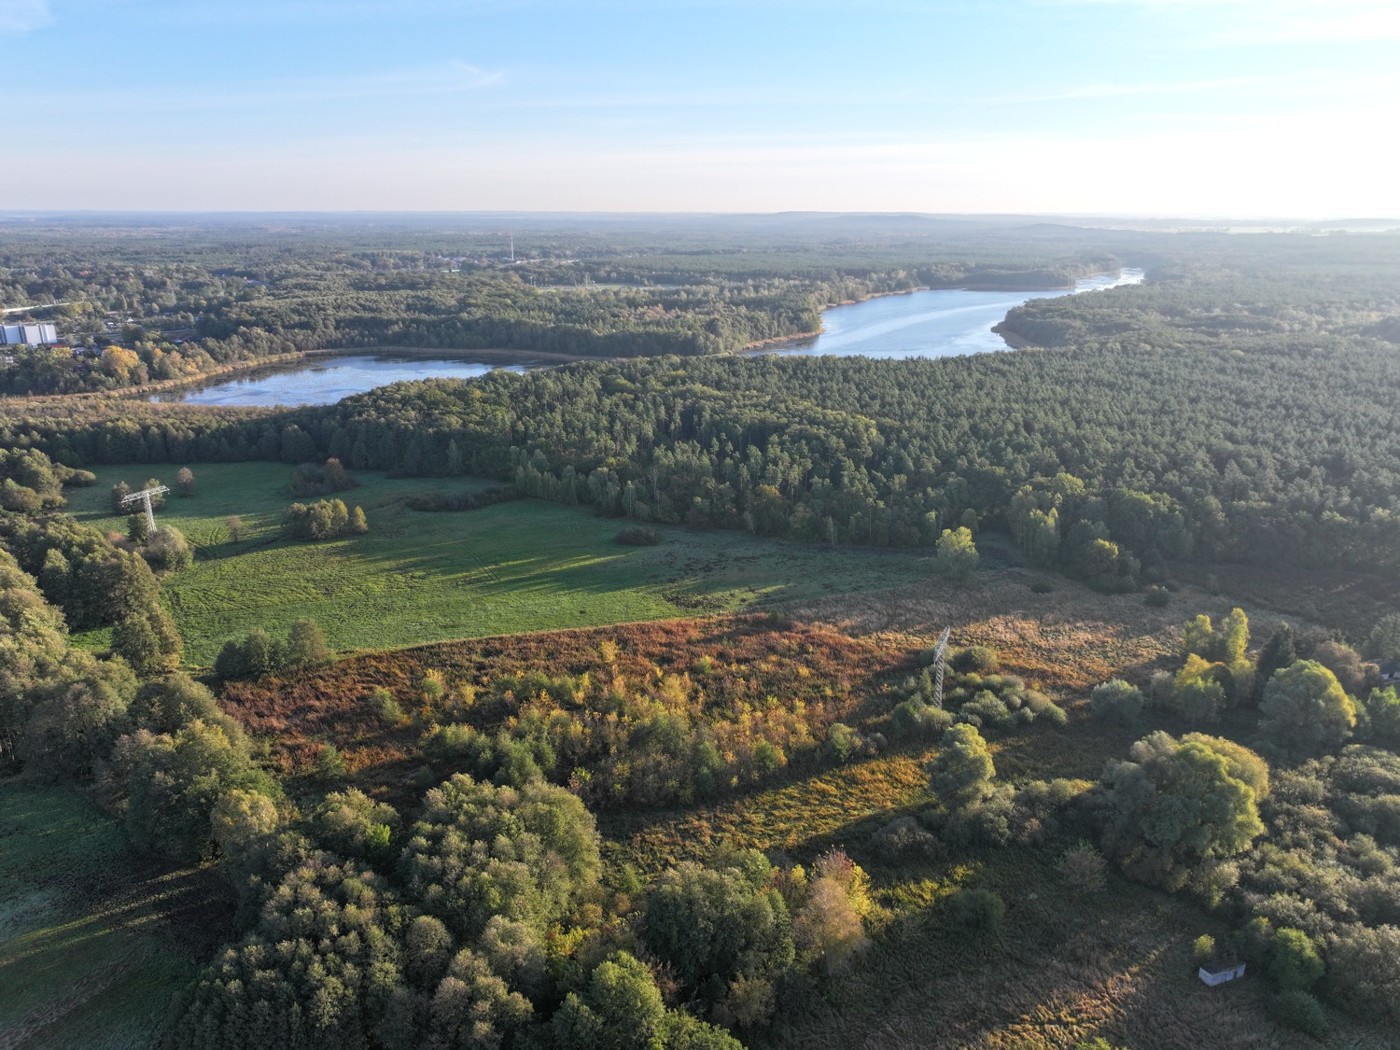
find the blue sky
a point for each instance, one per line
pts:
(1199, 107)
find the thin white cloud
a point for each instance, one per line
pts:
(1112, 90)
(18, 17)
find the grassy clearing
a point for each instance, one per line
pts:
(422, 577)
(94, 940)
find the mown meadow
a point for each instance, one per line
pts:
(419, 576)
(95, 940)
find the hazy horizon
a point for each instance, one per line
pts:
(1068, 218)
(1193, 109)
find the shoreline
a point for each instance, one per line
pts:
(1013, 342)
(501, 356)
(277, 361)
(1011, 339)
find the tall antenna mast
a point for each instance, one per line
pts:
(145, 497)
(940, 654)
(512, 247)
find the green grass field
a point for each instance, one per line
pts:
(423, 577)
(94, 940)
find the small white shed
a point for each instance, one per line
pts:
(1213, 973)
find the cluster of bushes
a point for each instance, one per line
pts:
(321, 479)
(325, 519)
(971, 807)
(1306, 688)
(483, 922)
(31, 482)
(622, 743)
(454, 501)
(1304, 859)
(642, 738)
(973, 694)
(258, 653)
(165, 549)
(1178, 810)
(638, 536)
(1317, 903)
(96, 584)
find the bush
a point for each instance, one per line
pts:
(1084, 868)
(1158, 597)
(957, 556)
(323, 520)
(1117, 701)
(168, 549)
(976, 659)
(330, 764)
(1294, 964)
(1298, 1010)
(1203, 948)
(844, 742)
(314, 479)
(306, 645)
(1042, 587)
(389, 709)
(438, 502)
(638, 536)
(256, 655)
(914, 717)
(903, 838)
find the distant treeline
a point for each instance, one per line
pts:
(198, 299)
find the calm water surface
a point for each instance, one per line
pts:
(944, 322)
(941, 323)
(325, 380)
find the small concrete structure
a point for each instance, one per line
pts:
(1218, 972)
(1389, 671)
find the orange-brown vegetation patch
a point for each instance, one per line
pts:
(730, 659)
(1067, 640)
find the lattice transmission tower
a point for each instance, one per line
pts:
(144, 496)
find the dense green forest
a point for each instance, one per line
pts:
(1281, 450)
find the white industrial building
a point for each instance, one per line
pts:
(33, 334)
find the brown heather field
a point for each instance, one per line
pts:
(730, 657)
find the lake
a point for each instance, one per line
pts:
(944, 322)
(324, 380)
(940, 323)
